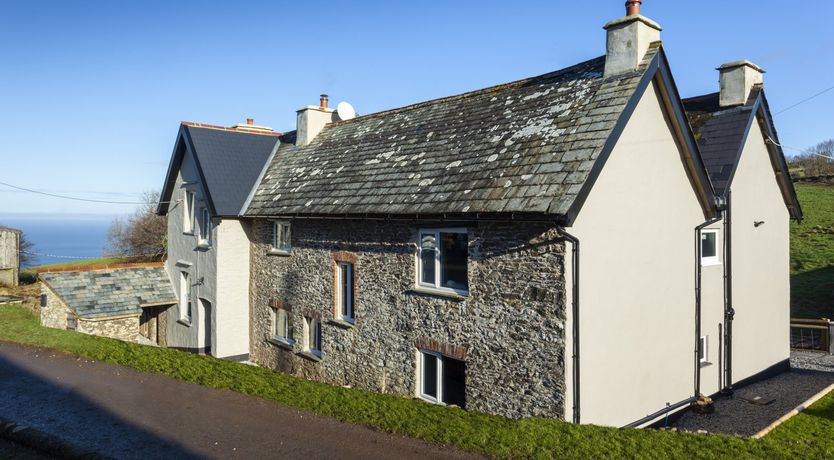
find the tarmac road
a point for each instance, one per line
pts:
(122, 413)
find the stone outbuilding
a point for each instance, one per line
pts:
(9, 256)
(119, 301)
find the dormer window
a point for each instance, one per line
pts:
(280, 238)
(188, 212)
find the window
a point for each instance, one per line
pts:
(312, 336)
(441, 379)
(703, 349)
(205, 227)
(281, 326)
(188, 212)
(281, 237)
(442, 259)
(185, 299)
(709, 247)
(344, 291)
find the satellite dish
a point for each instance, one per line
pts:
(345, 111)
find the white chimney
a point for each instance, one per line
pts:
(628, 39)
(737, 79)
(311, 121)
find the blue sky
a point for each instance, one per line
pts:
(92, 92)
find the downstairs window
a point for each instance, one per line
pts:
(441, 379)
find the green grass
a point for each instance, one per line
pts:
(492, 435)
(812, 254)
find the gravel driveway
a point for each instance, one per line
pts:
(810, 373)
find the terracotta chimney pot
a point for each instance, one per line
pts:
(250, 121)
(633, 7)
(323, 101)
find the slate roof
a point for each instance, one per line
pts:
(720, 133)
(229, 160)
(521, 147)
(111, 292)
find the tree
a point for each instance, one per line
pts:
(143, 234)
(26, 254)
(816, 161)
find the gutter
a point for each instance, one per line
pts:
(575, 320)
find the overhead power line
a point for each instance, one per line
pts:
(54, 195)
(805, 100)
(798, 149)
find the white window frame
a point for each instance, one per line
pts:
(344, 305)
(285, 233)
(437, 261)
(282, 336)
(185, 299)
(422, 354)
(716, 259)
(703, 349)
(189, 203)
(205, 227)
(312, 333)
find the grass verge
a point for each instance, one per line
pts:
(812, 254)
(806, 435)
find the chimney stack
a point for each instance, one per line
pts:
(312, 119)
(628, 39)
(737, 79)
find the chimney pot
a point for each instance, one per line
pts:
(250, 121)
(633, 7)
(323, 101)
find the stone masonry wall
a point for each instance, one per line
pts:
(126, 329)
(509, 330)
(54, 311)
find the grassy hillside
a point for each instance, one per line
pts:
(812, 254)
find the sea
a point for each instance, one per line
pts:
(61, 238)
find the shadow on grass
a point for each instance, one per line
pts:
(812, 293)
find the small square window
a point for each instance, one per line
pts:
(282, 325)
(443, 258)
(205, 227)
(344, 291)
(312, 336)
(709, 247)
(703, 349)
(281, 237)
(441, 379)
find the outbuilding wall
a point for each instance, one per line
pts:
(509, 330)
(9, 256)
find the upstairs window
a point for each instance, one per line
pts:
(188, 212)
(205, 227)
(709, 247)
(344, 291)
(281, 237)
(312, 336)
(443, 258)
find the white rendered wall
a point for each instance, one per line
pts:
(232, 314)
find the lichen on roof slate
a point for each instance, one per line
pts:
(111, 292)
(526, 146)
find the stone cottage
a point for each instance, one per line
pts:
(9, 256)
(433, 250)
(121, 301)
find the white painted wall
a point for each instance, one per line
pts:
(761, 277)
(232, 316)
(201, 264)
(712, 315)
(636, 231)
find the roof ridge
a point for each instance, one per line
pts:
(702, 96)
(195, 124)
(466, 94)
(90, 268)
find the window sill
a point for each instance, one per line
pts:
(704, 364)
(188, 233)
(343, 323)
(203, 246)
(710, 263)
(279, 252)
(283, 343)
(447, 293)
(312, 356)
(185, 322)
(430, 400)
(184, 263)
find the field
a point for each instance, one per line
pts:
(812, 254)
